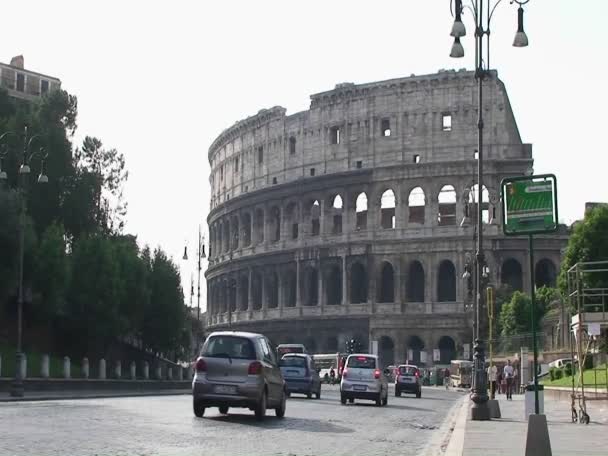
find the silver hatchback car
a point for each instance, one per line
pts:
(238, 369)
(363, 379)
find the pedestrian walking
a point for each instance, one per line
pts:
(499, 382)
(508, 373)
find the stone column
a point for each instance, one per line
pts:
(250, 291)
(322, 218)
(169, 373)
(298, 291)
(264, 297)
(180, 373)
(44, 366)
(118, 370)
(239, 293)
(320, 290)
(344, 281)
(23, 366)
(85, 368)
(66, 367)
(429, 283)
(146, 370)
(158, 373)
(281, 286)
(400, 352)
(133, 370)
(102, 369)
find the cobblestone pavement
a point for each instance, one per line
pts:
(166, 426)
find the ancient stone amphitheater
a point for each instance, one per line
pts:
(350, 220)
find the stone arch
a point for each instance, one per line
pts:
(223, 299)
(414, 348)
(235, 233)
(447, 206)
(415, 282)
(246, 229)
(256, 290)
(333, 285)
(416, 204)
(545, 273)
(244, 284)
(337, 208)
(232, 295)
(310, 286)
(272, 289)
(259, 225)
(511, 274)
(388, 204)
(358, 283)
(290, 280)
(446, 282)
(386, 283)
(275, 224)
(386, 351)
(361, 211)
(315, 217)
(447, 350)
(226, 235)
(292, 219)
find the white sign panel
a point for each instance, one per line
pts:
(410, 355)
(593, 329)
(436, 354)
(374, 347)
(423, 356)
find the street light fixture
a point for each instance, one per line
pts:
(17, 389)
(479, 396)
(200, 254)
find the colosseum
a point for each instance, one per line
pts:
(351, 219)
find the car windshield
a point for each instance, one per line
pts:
(229, 347)
(361, 362)
(293, 361)
(408, 370)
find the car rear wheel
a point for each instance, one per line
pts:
(309, 395)
(379, 399)
(342, 399)
(385, 400)
(199, 409)
(419, 394)
(260, 408)
(397, 392)
(351, 400)
(318, 393)
(223, 409)
(280, 410)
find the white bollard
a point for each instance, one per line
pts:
(44, 366)
(159, 373)
(66, 367)
(133, 369)
(23, 365)
(85, 367)
(118, 370)
(169, 373)
(146, 370)
(102, 369)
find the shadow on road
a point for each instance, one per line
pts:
(272, 422)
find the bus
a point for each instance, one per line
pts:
(325, 362)
(461, 373)
(283, 349)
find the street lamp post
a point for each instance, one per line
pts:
(479, 396)
(17, 389)
(199, 256)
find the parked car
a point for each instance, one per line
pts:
(238, 369)
(363, 379)
(300, 375)
(407, 380)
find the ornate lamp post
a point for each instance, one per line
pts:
(17, 389)
(200, 255)
(480, 410)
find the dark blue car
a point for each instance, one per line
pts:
(300, 374)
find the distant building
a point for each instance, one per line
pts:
(25, 84)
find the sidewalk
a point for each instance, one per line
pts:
(507, 436)
(92, 394)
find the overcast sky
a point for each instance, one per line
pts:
(159, 80)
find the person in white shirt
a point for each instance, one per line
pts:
(492, 376)
(508, 372)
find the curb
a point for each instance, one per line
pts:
(455, 446)
(71, 397)
(443, 435)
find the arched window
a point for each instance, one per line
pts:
(545, 274)
(292, 220)
(361, 211)
(386, 289)
(290, 288)
(511, 274)
(232, 295)
(259, 225)
(336, 208)
(447, 206)
(387, 209)
(414, 347)
(272, 290)
(226, 235)
(415, 282)
(235, 233)
(358, 284)
(275, 223)
(446, 283)
(256, 285)
(386, 352)
(244, 293)
(333, 285)
(416, 203)
(310, 286)
(447, 350)
(246, 229)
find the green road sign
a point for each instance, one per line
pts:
(529, 204)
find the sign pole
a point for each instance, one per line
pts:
(533, 318)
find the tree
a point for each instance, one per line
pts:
(515, 315)
(588, 242)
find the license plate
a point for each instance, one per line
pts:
(359, 387)
(224, 389)
(292, 372)
(407, 380)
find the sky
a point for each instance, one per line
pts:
(159, 80)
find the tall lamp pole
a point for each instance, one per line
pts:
(199, 257)
(17, 389)
(479, 396)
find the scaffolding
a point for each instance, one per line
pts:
(588, 297)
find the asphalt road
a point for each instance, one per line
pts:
(166, 426)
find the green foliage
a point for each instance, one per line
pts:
(545, 298)
(559, 373)
(515, 315)
(568, 370)
(552, 373)
(588, 242)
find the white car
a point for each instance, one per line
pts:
(363, 379)
(561, 362)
